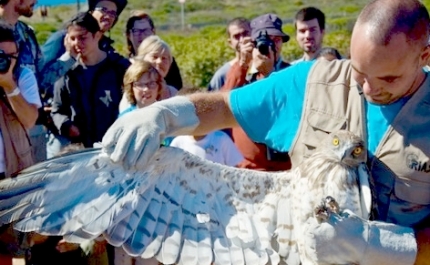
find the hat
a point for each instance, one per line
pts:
(270, 23)
(120, 4)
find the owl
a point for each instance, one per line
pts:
(185, 210)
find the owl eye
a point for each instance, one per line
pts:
(358, 150)
(335, 141)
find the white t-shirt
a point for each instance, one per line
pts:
(30, 91)
(216, 146)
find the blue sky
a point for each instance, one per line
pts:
(58, 2)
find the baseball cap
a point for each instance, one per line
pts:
(120, 4)
(270, 23)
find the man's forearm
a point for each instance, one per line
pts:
(213, 111)
(27, 113)
(423, 243)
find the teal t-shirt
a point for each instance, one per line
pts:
(270, 110)
(379, 117)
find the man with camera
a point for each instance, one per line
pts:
(237, 29)
(259, 56)
(19, 101)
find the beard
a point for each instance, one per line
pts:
(26, 11)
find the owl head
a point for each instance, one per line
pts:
(345, 147)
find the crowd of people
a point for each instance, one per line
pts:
(75, 90)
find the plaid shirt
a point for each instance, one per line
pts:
(30, 54)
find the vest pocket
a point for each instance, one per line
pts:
(413, 191)
(319, 125)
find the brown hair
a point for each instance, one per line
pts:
(386, 18)
(135, 15)
(240, 22)
(136, 70)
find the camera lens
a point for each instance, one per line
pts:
(4, 63)
(263, 49)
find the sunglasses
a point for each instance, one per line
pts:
(106, 11)
(6, 60)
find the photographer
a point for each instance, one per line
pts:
(259, 56)
(19, 101)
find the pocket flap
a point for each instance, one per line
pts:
(321, 124)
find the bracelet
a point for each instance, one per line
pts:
(15, 92)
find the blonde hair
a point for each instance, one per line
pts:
(136, 70)
(151, 44)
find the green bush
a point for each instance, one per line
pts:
(201, 49)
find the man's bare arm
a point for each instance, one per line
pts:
(213, 111)
(423, 243)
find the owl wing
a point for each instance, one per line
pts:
(180, 209)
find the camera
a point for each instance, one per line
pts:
(263, 43)
(5, 61)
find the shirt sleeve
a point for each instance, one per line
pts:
(27, 84)
(56, 63)
(232, 155)
(269, 110)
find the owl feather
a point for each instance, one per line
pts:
(186, 210)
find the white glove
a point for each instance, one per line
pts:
(347, 238)
(137, 135)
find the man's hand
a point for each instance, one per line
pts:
(64, 246)
(134, 138)
(346, 238)
(265, 64)
(245, 47)
(74, 131)
(7, 80)
(71, 48)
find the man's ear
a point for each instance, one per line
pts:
(98, 35)
(425, 56)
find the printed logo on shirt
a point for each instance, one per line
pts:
(414, 163)
(211, 150)
(107, 98)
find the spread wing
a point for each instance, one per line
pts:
(180, 209)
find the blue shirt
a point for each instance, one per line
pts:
(379, 117)
(269, 110)
(278, 100)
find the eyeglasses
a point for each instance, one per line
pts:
(149, 85)
(144, 32)
(5, 60)
(106, 11)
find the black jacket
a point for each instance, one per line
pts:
(94, 111)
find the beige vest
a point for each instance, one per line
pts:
(16, 141)
(334, 101)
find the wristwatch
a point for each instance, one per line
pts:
(15, 92)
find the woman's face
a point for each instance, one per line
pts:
(145, 90)
(140, 31)
(160, 60)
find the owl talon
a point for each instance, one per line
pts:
(321, 213)
(327, 206)
(331, 204)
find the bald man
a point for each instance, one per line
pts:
(381, 94)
